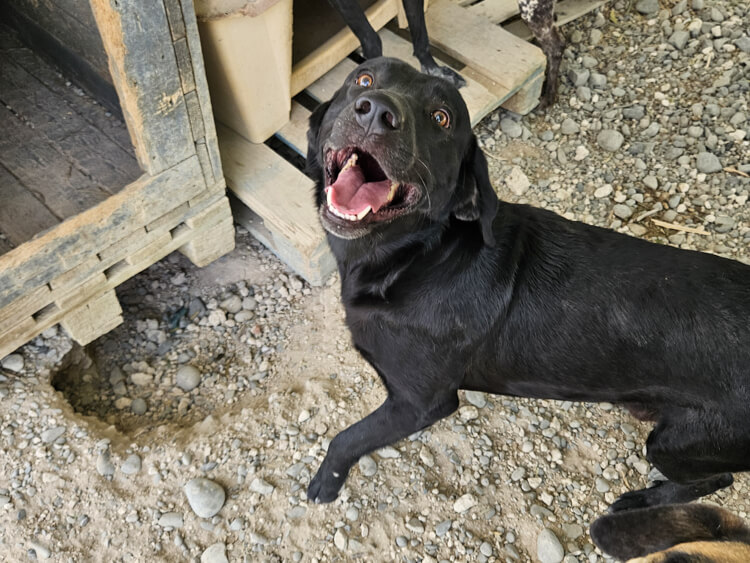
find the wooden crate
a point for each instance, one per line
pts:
(67, 273)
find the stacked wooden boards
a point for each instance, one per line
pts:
(67, 273)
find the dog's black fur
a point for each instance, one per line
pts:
(539, 15)
(447, 288)
(676, 533)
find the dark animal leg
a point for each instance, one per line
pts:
(418, 29)
(355, 18)
(539, 15)
(393, 420)
(696, 460)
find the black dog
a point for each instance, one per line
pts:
(539, 15)
(678, 533)
(446, 288)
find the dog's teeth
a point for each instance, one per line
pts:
(351, 162)
(394, 187)
(329, 197)
(364, 212)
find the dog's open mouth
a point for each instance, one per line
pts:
(358, 189)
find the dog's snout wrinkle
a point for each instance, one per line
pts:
(377, 114)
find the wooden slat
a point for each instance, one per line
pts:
(566, 11)
(497, 11)
(40, 167)
(21, 214)
(325, 87)
(324, 58)
(479, 100)
(77, 141)
(201, 88)
(67, 245)
(143, 65)
(487, 48)
(283, 199)
(294, 133)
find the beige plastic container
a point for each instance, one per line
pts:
(247, 49)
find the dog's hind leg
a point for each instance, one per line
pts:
(355, 18)
(418, 29)
(393, 420)
(697, 453)
(539, 15)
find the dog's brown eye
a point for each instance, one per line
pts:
(365, 80)
(441, 117)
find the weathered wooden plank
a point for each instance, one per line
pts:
(67, 245)
(325, 87)
(65, 31)
(328, 55)
(294, 133)
(195, 114)
(496, 11)
(143, 65)
(50, 116)
(95, 114)
(185, 64)
(479, 100)
(281, 195)
(487, 48)
(97, 317)
(22, 216)
(41, 168)
(201, 86)
(565, 11)
(175, 18)
(25, 306)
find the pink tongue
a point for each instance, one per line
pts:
(351, 194)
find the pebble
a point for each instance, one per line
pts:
(367, 466)
(468, 413)
(41, 550)
(679, 38)
(205, 497)
(104, 465)
(131, 465)
(389, 452)
(708, 163)
(603, 191)
(171, 520)
(647, 7)
(138, 406)
(13, 362)
(261, 487)
(232, 304)
(464, 503)
(548, 547)
(52, 434)
(517, 181)
(486, 549)
(476, 398)
(610, 140)
(442, 528)
(426, 456)
(569, 127)
(511, 127)
(187, 377)
(352, 513)
(340, 540)
(216, 553)
(622, 211)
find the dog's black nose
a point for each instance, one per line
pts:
(377, 114)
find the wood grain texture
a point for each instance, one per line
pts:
(144, 70)
(22, 215)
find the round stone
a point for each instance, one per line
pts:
(610, 140)
(204, 496)
(131, 465)
(367, 466)
(708, 163)
(138, 406)
(548, 547)
(216, 553)
(188, 378)
(13, 363)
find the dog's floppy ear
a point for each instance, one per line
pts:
(475, 200)
(313, 167)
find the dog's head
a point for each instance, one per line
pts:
(395, 147)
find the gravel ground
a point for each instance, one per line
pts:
(191, 431)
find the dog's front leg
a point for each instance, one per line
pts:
(393, 420)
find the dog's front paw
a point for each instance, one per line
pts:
(639, 499)
(325, 486)
(445, 73)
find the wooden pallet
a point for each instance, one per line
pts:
(67, 274)
(278, 197)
